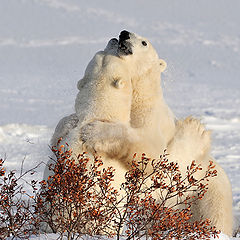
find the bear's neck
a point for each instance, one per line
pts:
(149, 110)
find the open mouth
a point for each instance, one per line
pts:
(124, 46)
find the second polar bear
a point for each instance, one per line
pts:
(150, 116)
(105, 97)
(185, 141)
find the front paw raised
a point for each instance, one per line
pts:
(193, 133)
(105, 138)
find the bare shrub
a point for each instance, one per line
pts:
(16, 205)
(79, 199)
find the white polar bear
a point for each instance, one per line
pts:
(104, 100)
(105, 97)
(120, 110)
(154, 123)
(185, 142)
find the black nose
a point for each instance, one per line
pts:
(124, 35)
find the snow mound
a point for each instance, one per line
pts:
(22, 142)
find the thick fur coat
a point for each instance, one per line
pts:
(120, 110)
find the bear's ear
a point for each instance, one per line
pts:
(163, 65)
(81, 83)
(118, 83)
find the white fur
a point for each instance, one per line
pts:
(186, 141)
(101, 124)
(120, 110)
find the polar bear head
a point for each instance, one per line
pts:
(105, 91)
(146, 69)
(140, 52)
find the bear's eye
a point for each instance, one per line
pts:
(144, 43)
(118, 83)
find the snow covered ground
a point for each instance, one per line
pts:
(45, 46)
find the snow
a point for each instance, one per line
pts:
(45, 46)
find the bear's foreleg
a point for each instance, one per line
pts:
(64, 126)
(111, 139)
(190, 142)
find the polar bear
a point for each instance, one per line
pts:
(185, 141)
(104, 96)
(70, 122)
(104, 99)
(157, 129)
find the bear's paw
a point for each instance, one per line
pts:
(193, 133)
(107, 138)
